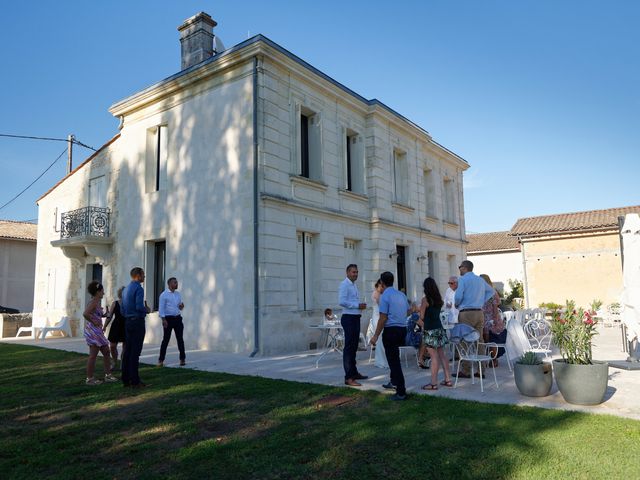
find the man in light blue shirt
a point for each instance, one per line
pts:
(471, 295)
(394, 309)
(170, 311)
(349, 300)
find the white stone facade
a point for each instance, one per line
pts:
(406, 190)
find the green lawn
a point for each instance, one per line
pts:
(191, 424)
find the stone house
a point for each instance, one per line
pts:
(17, 264)
(253, 178)
(572, 256)
(498, 255)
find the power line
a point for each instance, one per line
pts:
(50, 139)
(38, 178)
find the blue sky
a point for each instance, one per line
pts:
(541, 98)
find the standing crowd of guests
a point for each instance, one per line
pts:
(470, 299)
(127, 321)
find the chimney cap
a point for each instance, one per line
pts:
(202, 16)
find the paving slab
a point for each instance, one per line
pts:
(621, 398)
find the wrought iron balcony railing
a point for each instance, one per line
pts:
(87, 221)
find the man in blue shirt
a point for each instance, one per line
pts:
(471, 295)
(134, 309)
(349, 300)
(394, 309)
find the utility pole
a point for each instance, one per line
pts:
(70, 140)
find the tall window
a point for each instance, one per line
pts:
(401, 268)
(401, 177)
(310, 145)
(305, 263)
(304, 146)
(453, 267)
(432, 263)
(351, 251)
(354, 162)
(429, 193)
(156, 159)
(159, 255)
(449, 201)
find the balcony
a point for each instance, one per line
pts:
(85, 232)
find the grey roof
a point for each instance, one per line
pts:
(261, 38)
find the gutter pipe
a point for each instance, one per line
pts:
(256, 272)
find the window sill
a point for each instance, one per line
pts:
(432, 219)
(353, 195)
(402, 206)
(450, 224)
(307, 182)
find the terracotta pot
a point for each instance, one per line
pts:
(582, 384)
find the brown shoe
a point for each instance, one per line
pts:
(352, 383)
(182, 363)
(160, 364)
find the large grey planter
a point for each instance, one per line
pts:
(533, 380)
(582, 384)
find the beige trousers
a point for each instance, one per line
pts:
(475, 319)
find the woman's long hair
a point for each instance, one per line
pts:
(432, 293)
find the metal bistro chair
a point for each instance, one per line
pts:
(468, 346)
(504, 345)
(538, 332)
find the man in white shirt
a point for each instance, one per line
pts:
(349, 300)
(449, 300)
(171, 314)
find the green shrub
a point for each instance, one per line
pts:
(529, 358)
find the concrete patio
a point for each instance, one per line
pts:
(621, 397)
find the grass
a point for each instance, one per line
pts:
(192, 424)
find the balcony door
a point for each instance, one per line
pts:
(98, 192)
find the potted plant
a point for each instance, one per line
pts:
(533, 377)
(581, 380)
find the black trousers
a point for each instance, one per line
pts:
(392, 339)
(175, 324)
(351, 327)
(134, 331)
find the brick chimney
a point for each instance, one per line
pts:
(197, 39)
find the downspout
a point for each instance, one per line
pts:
(524, 272)
(256, 272)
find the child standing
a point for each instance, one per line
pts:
(94, 335)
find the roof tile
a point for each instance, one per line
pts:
(491, 242)
(18, 230)
(571, 222)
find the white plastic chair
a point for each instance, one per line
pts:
(63, 326)
(37, 324)
(538, 333)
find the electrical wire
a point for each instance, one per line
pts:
(50, 139)
(38, 178)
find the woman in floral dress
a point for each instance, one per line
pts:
(494, 328)
(94, 335)
(434, 336)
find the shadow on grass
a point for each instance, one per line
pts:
(193, 424)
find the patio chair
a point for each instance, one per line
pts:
(410, 349)
(34, 329)
(468, 346)
(538, 333)
(63, 326)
